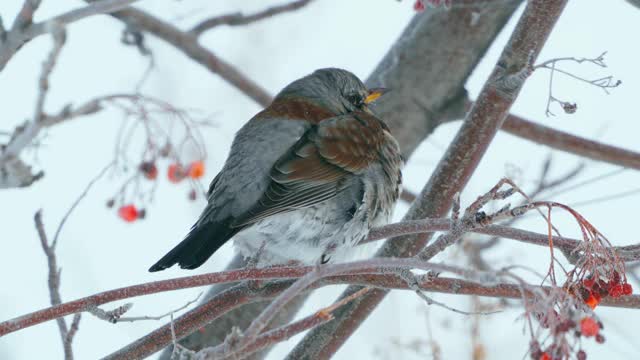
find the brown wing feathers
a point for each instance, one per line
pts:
(318, 165)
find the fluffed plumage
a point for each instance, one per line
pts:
(307, 177)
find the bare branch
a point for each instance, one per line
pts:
(236, 19)
(54, 286)
(627, 253)
(11, 173)
(571, 143)
(189, 45)
(23, 29)
(25, 15)
(158, 317)
(77, 202)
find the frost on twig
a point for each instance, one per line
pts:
(115, 315)
(111, 316)
(413, 284)
(604, 83)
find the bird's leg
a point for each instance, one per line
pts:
(252, 263)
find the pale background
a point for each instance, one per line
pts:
(99, 252)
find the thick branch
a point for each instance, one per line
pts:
(454, 170)
(577, 145)
(381, 277)
(627, 253)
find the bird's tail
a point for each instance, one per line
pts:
(198, 246)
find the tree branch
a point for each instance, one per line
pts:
(189, 45)
(237, 19)
(24, 30)
(577, 145)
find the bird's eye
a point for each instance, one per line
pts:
(356, 99)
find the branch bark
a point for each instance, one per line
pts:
(577, 145)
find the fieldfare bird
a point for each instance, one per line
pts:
(306, 178)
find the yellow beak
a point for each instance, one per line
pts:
(374, 94)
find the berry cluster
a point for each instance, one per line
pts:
(587, 327)
(176, 172)
(594, 288)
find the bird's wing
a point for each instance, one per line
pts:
(319, 165)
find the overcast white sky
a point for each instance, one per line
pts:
(97, 251)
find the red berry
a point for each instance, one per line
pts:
(627, 289)
(589, 327)
(128, 213)
(418, 6)
(175, 173)
(545, 356)
(593, 300)
(149, 170)
(581, 355)
(588, 282)
(616, 277)
(616, 290)
(196, 169)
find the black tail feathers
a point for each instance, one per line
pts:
(198, 246)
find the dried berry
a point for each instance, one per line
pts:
(569, 108)
(149, 170)
(142, 213)
(110, 203)
(581, 355)
(128, 213)
(192, 195)
(600, 339)
(589, 282)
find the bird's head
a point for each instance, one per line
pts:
(338, 90)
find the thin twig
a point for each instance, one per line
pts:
(158, 317)
(236, 19)
(77, 202)
(54, 284)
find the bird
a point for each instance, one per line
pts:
(306, 178)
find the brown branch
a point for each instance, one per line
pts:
(189, 45)
(272, 337)
(571, 143)
(243, 294)
(237, 19)
(456, 167)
